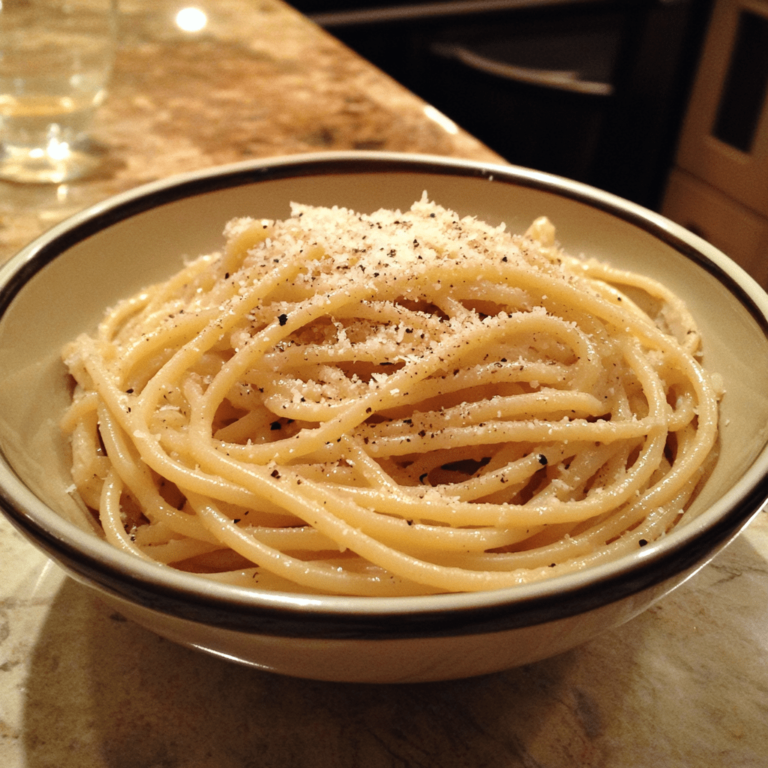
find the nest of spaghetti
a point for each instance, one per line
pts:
(394, 403)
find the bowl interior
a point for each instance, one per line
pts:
(115, 249)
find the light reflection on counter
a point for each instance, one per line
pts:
(444, 122)
(191, 19)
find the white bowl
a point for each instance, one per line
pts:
(61, 284)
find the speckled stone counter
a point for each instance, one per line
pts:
(685, 684)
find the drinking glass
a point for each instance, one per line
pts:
(55, 61)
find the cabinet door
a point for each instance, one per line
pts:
(725, 134)
(730, 226)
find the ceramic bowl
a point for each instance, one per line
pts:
(61, 284)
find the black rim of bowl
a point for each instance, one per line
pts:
(287, 615)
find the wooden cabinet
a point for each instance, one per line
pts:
(719, 186)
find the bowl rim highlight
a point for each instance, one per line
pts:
(93, 560)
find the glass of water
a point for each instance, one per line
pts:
(55, 61)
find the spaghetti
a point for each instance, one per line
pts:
(390, 404)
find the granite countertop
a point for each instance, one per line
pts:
(684, 684)
(259, 81)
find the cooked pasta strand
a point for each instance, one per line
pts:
(391, 404)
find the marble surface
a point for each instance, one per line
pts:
(684, 684)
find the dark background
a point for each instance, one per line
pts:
(465, 57)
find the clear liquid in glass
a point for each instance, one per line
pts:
(55, 62)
